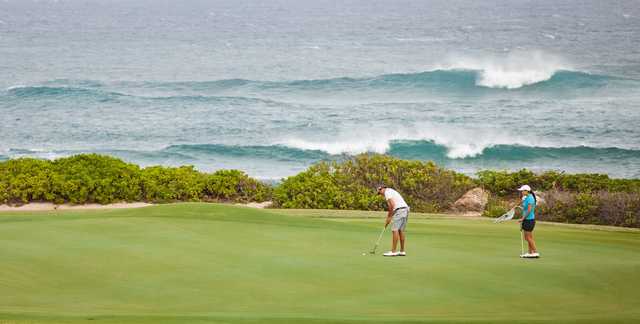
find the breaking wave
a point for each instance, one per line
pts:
(406, 149)
(451, 80)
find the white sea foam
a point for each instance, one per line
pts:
(33, 152)
(460, 142)
(421, 39)
(344, 146)
(511, 71)
(16, 87)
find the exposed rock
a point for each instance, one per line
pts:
(473, 200)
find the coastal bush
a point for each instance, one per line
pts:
(92, 178)
(495, 207)
(314, 188)
(166, 184)
(325, 186)
(504, 183)
(569, 198)
(234, 185)
(619, 209)
(24, 180)
(351, 184)
(601, 208)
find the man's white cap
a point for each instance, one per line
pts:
(524, 188)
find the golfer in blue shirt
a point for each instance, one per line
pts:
(528, 220)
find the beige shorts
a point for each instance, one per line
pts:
(399, 219)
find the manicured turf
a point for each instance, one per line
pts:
(202, 263)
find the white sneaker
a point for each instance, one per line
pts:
(402, 253)
(526, 255)
(390, 254)
(534, 255)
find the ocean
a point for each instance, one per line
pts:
(271, 87)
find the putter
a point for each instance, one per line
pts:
(521, 243)
(378, 241)
(522, 246)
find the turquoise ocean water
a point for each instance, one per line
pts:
(271, 87)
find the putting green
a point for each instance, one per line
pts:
(206, 263)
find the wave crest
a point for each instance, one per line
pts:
(462, 77)
(513, 70)
(458, 142)
(101, 95)
(407, 149)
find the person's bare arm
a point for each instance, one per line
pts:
(392, 207)
(524, 215)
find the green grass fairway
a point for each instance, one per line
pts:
(206, 263)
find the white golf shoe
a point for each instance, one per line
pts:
(391, 254)
(402, 253)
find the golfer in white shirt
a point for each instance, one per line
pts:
(398, 215)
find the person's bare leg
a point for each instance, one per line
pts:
(532, 243)
(401, 234)
(395, 241)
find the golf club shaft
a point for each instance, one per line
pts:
(521, 242)
(379, 238)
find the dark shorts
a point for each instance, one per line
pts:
(528, 225)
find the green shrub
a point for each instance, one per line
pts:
(91, 178)
(351, 184)
(585, 210)
(313, 188)
(24, 180)
(166, 184)
(504, 183)
(234, 185)
(571, 198)
(495, 207)
(4, 191)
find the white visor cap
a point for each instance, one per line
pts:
(524, 188)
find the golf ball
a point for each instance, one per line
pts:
(364, 254)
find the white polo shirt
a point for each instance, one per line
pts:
(398, 201)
